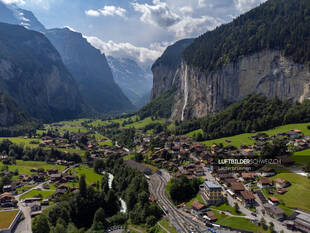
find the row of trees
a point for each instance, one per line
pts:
(20, 152)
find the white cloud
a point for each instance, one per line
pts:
(178, 19)
(107, 11)
(246, 5)
(93, 13)
(144, 56)
(190, 26)
(19, 2)
(157, 14)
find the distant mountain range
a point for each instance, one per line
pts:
(75, 78)
(135, 81)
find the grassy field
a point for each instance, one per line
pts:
(238, 140)
(238, 223)
(22, 141)
(302, 157)
(6, 218)
(91, 176)
(37, 193)
(24, 167)
(227, 208)
(298, 193)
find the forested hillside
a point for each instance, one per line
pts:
(277, 24)
(254, 113)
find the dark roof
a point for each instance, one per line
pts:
(237, 186)
(247, 195)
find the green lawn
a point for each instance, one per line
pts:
(238, 140)
(302, 157)
(36, 193)
(91, 176)
(6, 218)
(298, 193)
(227, 208)
(143, 123)
(238, 223)
(24, 167)
(22, 141)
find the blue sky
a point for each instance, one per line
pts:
(140, 29)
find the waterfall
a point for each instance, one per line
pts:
(185, 92)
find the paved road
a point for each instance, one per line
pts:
(25, 225)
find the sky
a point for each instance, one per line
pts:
(138, 29)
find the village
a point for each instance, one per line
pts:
(251, 194)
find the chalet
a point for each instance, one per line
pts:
(286, 161)
(198, 208)
(248, 175)
(273, 200)
(35, 206)
(34, 170)
(302, 222)
(211, 216)
(59, 192)
(266, 172)
(274, 211)
(32, 200)
(264, 182)
(55, 177)
(237, 187)
(199, 172)
(280, 183)
(6, 200)
(294, 134)
(52, 171)
(63, 187)
(248, 198)
(282, 190)
(7, 188)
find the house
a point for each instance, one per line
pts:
(32, 200)
(273, 200)
(282, 190)
(266, 172)
(248, 175)
(248, 198)
(55, 177)
(274, 211)
(198, 208)
(213, 192)
(6, 200)
(35, 206)
(211, 216)
(264, 182)
(7, 188)
(302, 222)
(237, 187)
(280, 183)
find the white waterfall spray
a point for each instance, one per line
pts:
(185, 92)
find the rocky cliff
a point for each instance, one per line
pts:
(165, 69)
(33, 76)
(268, 72)
(91, 71)
(263, 51)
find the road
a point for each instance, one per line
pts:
(25, 225)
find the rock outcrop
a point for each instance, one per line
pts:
(268, 72)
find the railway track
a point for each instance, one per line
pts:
(184, 223)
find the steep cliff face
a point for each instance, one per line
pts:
(33, 75)
(268, 72)
(91, 71)
(165, 69)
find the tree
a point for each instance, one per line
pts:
(83, 186)
(58, 212)
(40, 224)
(271, 227)
(237, 208)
